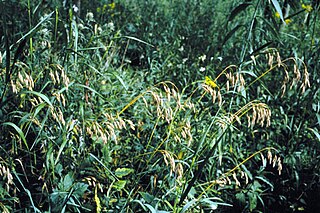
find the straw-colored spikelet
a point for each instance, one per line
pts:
(59, 76)
(274, 161)
(169, 160)
(24, 80)
(179, 171)
(92, 181)
(261, 114)
(236, 179)
(235, 81)
(183, 129)
(214, 93)
(6, 176)
(293, 75)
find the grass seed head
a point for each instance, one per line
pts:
(169, 160)
(236, 179)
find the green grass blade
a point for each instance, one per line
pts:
(42, 96)
(139, 40)
(315, 132)
(28, 193)
(19, 131)
(33, 30)
(114, 177)
(89, 88)
(278, 9)
(237, 10)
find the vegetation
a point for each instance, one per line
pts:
(159, 106)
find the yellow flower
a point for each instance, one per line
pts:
(277, 15)
(307, 8)
(104, 7)
(288, 21)
(112, 5)
(210, 82)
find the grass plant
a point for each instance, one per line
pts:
(159, 106)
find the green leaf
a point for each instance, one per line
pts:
(27, 191)
(80, 189)
(120, 80)
(315, 132)
(147, 197)
(113, 176)
(121, 172)
(241, 198)
(33, 30)
(265, 181)
(237, 10)
(229, 34)
(66, 183)
(152, 210)
(42, 96)
(261, 47)
(188, 205)
(19, 131)
(210, 204)
(252, 200)
(270, 28)
(89, 88)
(141, 204)
(119, 185)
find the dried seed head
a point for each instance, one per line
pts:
(274, 161)
(52, 76)
(20, 77)
(306, 82)
(279, 166)
(221, 182)
(229, 181)
(235, 81)
(261, 115)
(214, 94)
(264, 160)
(57, 77)
(279, 61)
(219, 98)
(177, 138)
(169, 160)
(14, 87)
(6, 176)
(131, 124)
(235, 179)
(228, 86)
(179, 171)
(246, 177)
(270, 59)
(269, 156)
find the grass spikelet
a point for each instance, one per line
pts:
(169, 160)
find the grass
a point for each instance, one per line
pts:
(119, 110)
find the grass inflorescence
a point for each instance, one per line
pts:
(154, 106)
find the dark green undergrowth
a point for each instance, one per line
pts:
(159, 106)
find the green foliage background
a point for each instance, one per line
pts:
(159, 106)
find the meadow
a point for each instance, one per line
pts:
(159, 106)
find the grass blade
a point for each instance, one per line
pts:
(33, 30)
(19, 131)
(278, 9)
(316, 133)
(237, 10)
(42, 96)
